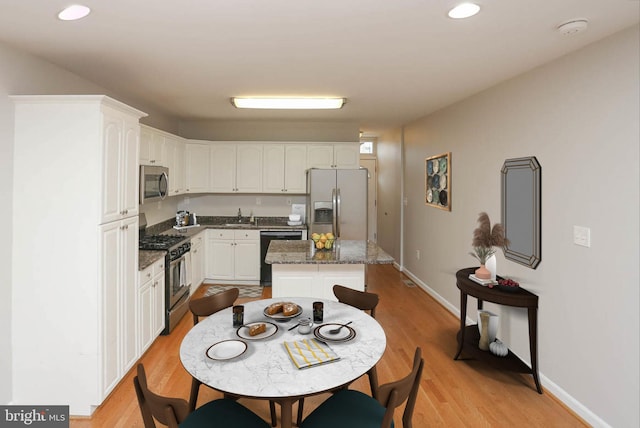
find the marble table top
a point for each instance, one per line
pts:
(343, 252)
(265, 370)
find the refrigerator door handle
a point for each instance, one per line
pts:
(334, 206)
(338, 216)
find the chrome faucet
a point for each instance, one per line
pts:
(239, 216)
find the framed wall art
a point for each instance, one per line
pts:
(438, 181)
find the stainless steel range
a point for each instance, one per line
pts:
(177, 262)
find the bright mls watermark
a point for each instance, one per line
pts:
(34, 416)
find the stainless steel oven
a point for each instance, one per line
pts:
(178, 287)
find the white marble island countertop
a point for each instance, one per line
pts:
(343, 252)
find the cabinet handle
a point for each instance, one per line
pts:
(149, 275)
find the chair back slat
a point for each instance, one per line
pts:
(362, 300)
(168, 411)
(393, 394)
(205, 306)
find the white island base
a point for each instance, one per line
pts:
(315, 280)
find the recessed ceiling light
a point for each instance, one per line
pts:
(76, 11)
(287, 103)
(464, 10)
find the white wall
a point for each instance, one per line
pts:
(389, 152)
(579, 115)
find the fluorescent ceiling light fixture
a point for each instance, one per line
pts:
(464, 10)
(288, 103)
(76, 11)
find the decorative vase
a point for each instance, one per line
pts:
(484, 331)
(492, 324)
(490, 264)
(483, 273)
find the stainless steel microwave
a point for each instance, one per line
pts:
(154, 183)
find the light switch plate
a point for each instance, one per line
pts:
(582, 236)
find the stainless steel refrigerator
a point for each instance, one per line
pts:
(337, 202)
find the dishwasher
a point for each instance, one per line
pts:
(266, 236)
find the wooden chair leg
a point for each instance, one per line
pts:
(193, 398)
(300, 409)
(373, 381)
(272, 408)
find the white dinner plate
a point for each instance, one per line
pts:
(280, 316)
(344, 335)
(243, 331)
(226, 349)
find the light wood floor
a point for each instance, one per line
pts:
(453, 393)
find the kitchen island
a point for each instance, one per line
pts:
(300, 270)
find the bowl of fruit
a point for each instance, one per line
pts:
(507, 284)
(323, 241)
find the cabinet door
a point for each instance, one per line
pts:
(111, 173)
(247, 255)
(158, 302)
(197, 262)
(109, 282)
(176, 170)
(273, 172)
(223, 168)
(220, 259)
(145, 317)
(179, 167)
(295, 168)
(293, 280)
(146, 137)
(158, 149)
(197, 168)
(248, 168)
(346, 155)
(320, 156)
(130, 168)
(127, 305)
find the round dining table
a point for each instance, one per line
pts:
(265, 369)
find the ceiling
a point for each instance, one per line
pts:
(394, 60)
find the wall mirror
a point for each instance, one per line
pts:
(521, 210)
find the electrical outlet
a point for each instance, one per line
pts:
(258, 201)
(582, 236)
(288, 201)
(417, 254)
(406, 201)
(187, 200)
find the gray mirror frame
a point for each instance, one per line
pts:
(524, 246)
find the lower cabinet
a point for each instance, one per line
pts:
(233, 255)
(150, 305)
(197, 261)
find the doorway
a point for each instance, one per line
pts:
(372, 191)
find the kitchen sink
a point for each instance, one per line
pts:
(240, 225)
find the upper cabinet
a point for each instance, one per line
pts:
(236, 168)
(284, 168)
(152, 148)
(197, 167)
(336, 155)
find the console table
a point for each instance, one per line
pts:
(469, 336)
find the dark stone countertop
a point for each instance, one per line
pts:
(343, 252)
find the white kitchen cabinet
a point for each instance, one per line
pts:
(284, 168)
(118, 276)
(150, 304)
(84, 315)
(152, 147)
(336, 155)
(197, 167)
(233, 255)
(175, 160)
(236, 168)
(119, 166)
(197, 260)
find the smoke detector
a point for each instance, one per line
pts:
(572, 27)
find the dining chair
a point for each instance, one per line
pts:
(354, 409)
(175, 412)
(365, 301)
(203, 307)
